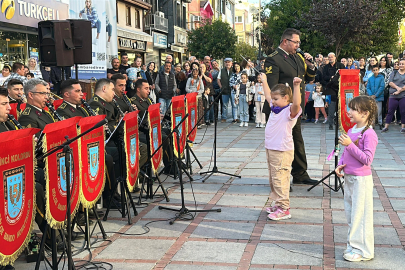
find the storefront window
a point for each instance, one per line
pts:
(12, 47)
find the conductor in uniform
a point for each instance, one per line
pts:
(281, 67)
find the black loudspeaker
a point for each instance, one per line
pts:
(55, 43)
(81, 35)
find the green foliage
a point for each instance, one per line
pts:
(351, 28)
(216, 39)
(245, 49)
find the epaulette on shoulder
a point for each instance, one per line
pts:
(26, 111)
(133, 98)
(273, 53)
(63, 106)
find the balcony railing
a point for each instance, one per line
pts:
(155, 22)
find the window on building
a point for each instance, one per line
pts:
(137, 19)
(128, 15)
(238, 19)
(178, 14)
(240, 39)
(223, 4)
(184, 17)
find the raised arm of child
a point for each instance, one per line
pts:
(266, 88)
(296, 106)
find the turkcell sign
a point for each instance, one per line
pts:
(30, 12)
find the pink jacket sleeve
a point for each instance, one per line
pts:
(365, 156)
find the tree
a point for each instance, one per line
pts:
(245, 49)
(216, 39)
(344, 21)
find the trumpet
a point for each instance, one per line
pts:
(15, 122)
(53, 97)
(52, 109)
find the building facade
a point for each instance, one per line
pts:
(131, 35)
(245, 22)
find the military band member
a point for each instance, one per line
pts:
(71, 92)
(15, 94)
(119, 89)
(34, 114)
(142, 101)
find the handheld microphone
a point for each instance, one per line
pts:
(302, 54)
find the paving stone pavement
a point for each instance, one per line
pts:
(240, 237)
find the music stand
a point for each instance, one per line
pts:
(183, 210)
(215, 168)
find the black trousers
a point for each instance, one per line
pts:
(310, 110)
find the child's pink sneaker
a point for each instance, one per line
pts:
(280, 214)
(272, 209)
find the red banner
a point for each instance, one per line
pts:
(178, 113)
(92, 161)
(155, 135)
(348, 89)
(17, 164)
(192, 118)
(131, 141)
(55, 172)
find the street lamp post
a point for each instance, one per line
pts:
(260, 31)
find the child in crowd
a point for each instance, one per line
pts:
(259, 102)
(318, 103)
(279, 143)
(206, 105)
(243, 98)
(360, 144)
(30, 76)
(309, 107)
(375, 89)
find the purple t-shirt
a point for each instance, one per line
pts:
(358, 159)
(278, 134)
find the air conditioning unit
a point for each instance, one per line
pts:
(196, 19)
(160, 14)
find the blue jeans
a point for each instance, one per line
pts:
(225, 101)
(98, 26)
(235, 107)
(243, 108)
(164, 104)
(108, 29)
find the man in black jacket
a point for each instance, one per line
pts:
(329, 72)
(165, 86)
(281, 67)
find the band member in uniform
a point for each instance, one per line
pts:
(119, 89)
(142, 101)
(281, 67)
(71, 92)
(5, 125)
(34, 114)
(102, 104)
(16, 94)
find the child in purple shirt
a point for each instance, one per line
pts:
(360, 145)
(279, 143)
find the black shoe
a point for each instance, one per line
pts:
(208, 123)
(381, 127)
(308, 181)
(7, 267)
(234, 121)
(330, 128)
(136, 189)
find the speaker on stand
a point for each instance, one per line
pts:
(81, 31)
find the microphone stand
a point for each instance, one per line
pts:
(215, 168)
(183, 210)
(67, 151)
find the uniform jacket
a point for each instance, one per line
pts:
(100, 106)
(280, 68)
(68, 111)
(33, 118)
(7, 126)
(142, 105)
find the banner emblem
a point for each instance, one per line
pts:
(132, 149)
(155, 137)
(14, 200)
(349, 96)
(93, 159)
(192, 117)
(62, 172)
(178, 119)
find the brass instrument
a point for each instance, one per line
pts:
(53, 97)
(52, 109)
(15, 122)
